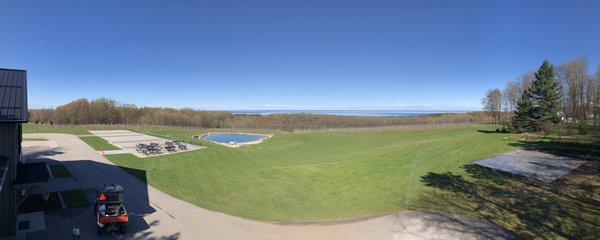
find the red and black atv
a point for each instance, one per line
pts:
(111, 215)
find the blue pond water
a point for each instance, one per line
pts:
(232, 137)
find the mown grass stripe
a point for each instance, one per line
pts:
(317, 176)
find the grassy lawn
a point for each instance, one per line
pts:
(59, 171)
(346, 175)
(74, 198)
(98, 143)
(566, 209)
(47, 128)
(317, 176)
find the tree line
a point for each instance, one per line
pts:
(575, 92)
(108, 111)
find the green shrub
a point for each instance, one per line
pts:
(583, 128)
(504, 129)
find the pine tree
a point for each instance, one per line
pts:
(522, 120)
(546, 96)
(540, 104)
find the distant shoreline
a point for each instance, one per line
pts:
(349, 113)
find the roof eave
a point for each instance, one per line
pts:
(14, 121)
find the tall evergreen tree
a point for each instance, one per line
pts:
(546, 96)
(540, 103)
(522, 121)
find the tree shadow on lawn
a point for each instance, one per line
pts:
(586, 150)
(490, 131)
(527, 209)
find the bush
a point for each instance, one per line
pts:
(583, 128)
(545, 128)
(504, 129)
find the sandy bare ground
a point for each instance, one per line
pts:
(156, 215)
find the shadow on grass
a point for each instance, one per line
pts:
(528, 210)
(75, 198)
(577, 149)
(137, 173)
(490, 131)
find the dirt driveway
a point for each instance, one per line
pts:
(156, 215)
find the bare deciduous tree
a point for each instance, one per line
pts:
(575, 81)
(492, 103)
(526, 80)
(511, 95)
(595, 105)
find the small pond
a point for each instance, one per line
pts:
(228, 138)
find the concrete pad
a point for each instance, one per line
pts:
(532, 164)
(55, 185)
(127, 140)
(36, 220)
(37, 146)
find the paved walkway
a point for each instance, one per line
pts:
(55, 185)
(156, 215)
(36, 223)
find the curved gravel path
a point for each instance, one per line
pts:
(156, 215)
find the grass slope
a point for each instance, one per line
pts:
(98, 143)
(48, 128)
(568, 208)
(74, 198)
(60, 171)
(348, 175)
(317, 176)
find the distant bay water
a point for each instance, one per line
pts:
(363, 113)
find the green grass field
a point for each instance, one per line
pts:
(317, 176)
(98, 143)
(60, 171)
(48, 128)
(348, 175)
(74, 198)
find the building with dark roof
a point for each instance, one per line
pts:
(13, 112)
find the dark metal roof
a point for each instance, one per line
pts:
(28, 173)
(13, 95)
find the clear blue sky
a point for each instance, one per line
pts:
(288, 54)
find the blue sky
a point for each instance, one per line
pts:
(289, 54)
